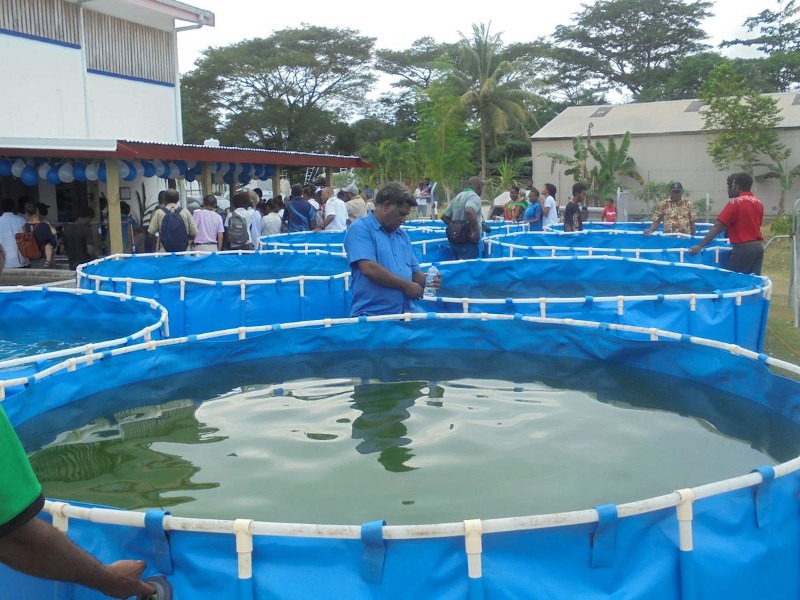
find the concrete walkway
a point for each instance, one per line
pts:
(38, 277)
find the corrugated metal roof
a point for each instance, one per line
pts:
(140, 150)
(647, 118)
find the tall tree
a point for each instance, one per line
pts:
(629, 43)
(286, 80)
(740, 120)
(417, 67)
(778, 39)
(490, 85)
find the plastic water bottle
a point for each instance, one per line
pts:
(431, 283)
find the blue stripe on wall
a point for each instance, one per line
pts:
(129, 78)
(38, 38)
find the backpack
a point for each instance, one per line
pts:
(27, 245)
(238, 233)
(173, 234)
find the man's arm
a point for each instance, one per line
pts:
(379, 274)
(41, 550)
(328, 220)
(472, 218)
(717, 228)
(657, 217)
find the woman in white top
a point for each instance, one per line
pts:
(271, 222)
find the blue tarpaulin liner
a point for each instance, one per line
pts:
(81, 321)
(207, 292)
(700, 301)
(429, 244)
(700, 228)
(739, 541)
(614, 243)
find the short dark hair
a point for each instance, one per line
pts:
(395, 192)
(124, 208)
(297, 190)
(8, 205)
(514, 187)
(535, 193)
(241, 199)
(259, 192)
(210, 200)
(744, 181)
(579, 187)
(171, 196)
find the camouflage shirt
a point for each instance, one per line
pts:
(677, 217)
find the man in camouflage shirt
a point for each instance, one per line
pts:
(676, 213)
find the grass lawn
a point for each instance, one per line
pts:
(783, 338)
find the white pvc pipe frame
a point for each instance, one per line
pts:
(88, 349)
(682, 500)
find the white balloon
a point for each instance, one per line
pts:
(17, 167)
(91, 172)
(191, 164)
(124, 169)
(65, 173)
(159, 165)
(44, 169)
(174, 171)
(139, 168)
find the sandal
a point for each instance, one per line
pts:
(47, 264)
(162, 586)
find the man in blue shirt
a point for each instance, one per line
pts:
(386, 274)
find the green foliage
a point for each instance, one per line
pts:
(417, 67)
(632, 44)
(741, 121)
(779, 169)
(657, 191)
(491, 87)
(611, 163)
(781, 225)
(779, 40)
(145, 210)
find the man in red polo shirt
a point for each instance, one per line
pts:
(742, 217)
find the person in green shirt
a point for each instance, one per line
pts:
(32, 546)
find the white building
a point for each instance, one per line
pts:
(668, 144)
(96, 69)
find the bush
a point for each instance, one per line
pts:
(781, 225)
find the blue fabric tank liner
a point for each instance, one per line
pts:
(598, 243)
(546, 556)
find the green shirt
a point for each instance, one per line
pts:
(20, 492)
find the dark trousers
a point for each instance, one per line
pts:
(746, 257)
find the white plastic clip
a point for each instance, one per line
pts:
(183, 288)
(242, 289)
(242, 333)
(244, 547)
(693, 302)
(128, 286)
(302, 286)
(620, 305)
(543, 307)
(685, 517)
(60, 520)
(473, 532)
(739, 299)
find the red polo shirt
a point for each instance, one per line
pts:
(742, 217)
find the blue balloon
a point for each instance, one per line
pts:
(131, 171)
(5, 167)
(165, 171)
(101, 172)
(258, 171)
(246, 168)
(244, 178)
(190, 176)
(79, 171)
(52, 176)
(269, 170)
(149, 168)
(182, 166)
(30, 176)
(228, 178)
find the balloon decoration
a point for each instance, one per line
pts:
(29, 176)
(5, 167)
(269, 171)
(139, 168)
(131, 174)
(149, 168)
(124, 168)
(182, 166)
(44, 169)
(174, 171)
(17, 167)
(190, 176)
(66, 173)
(52, 176)
(91, 172)
(228, 178)
(101, 172)
(244, 178)
(79, 171)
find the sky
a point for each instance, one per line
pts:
(397, 25)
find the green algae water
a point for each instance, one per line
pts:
(431, 438)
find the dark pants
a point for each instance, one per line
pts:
(746, 257)
(465, 251)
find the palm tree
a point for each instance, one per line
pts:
(490, 86)
(779, 169)
(612, 162)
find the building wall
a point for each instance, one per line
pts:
(115, 81)
(662, 158)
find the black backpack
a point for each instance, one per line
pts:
(238, 232)
(173, 233)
